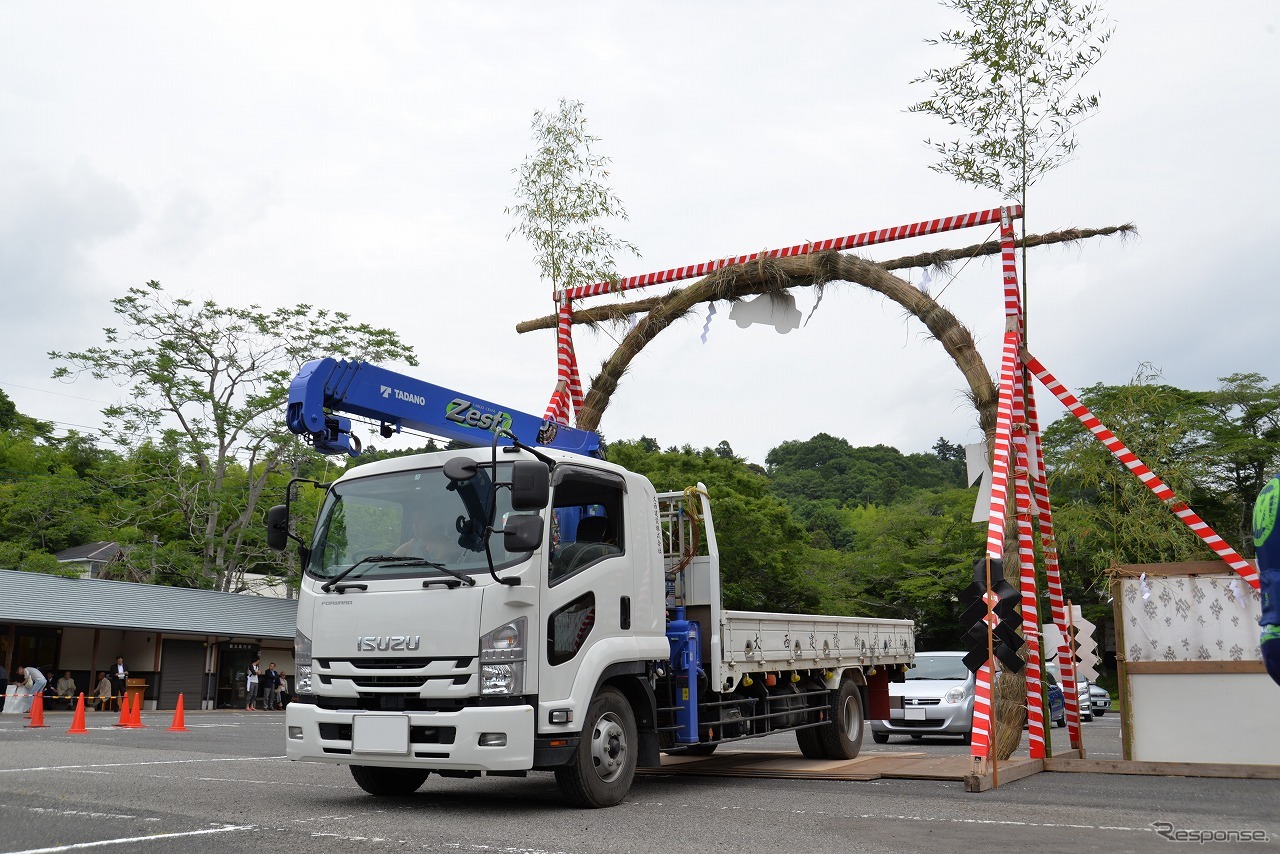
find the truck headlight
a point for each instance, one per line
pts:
(502, 678)
(302, 664)
(502, 658)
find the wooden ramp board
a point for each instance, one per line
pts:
(1007, 771)
(1163, 769)
(867, 766)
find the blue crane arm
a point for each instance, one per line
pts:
(325, 387)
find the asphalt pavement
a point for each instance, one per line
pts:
(224, 785)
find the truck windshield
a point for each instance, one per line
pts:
(414, 514)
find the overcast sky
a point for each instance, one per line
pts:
(359, 157)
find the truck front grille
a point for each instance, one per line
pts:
(417, 734)
(369, 677)
(389, 663)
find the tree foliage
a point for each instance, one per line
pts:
(763, 551)
(909, 559)
(1014, 91)
(565, 200)
(827, 528)
(207, 386)
(826, 467)
(1214, 449)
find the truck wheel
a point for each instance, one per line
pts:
(388, 782)
(810, 743)
(842, 737)
(600, 773)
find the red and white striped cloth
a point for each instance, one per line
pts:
(1130, 461)
(566, 400)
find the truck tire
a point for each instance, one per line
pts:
(600, 773)
(842, 737)
(388, 782)
(810, 743)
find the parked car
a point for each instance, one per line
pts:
(1084, 690)
(937, 699)
(1057, 704)
(1086, 702)
(1099, 699)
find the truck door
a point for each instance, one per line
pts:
(587, 590)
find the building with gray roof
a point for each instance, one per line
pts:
(176, 640)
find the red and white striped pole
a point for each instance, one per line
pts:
(852, 241)
(980, 741)
(566, 400)
(1027, 572)
(1130, 461)
(1053, 576)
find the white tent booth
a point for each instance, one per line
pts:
(1192, 682)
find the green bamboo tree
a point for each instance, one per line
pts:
(564, 199)
(1015, 91)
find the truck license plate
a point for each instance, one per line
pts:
(913, 714)
(380, 734)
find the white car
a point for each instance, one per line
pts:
(1099, 699)
(937, 699)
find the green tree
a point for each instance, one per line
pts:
(48, 499)
(908, 560)
(11, 420)
(829, 468)
(207, 387)
(945, 450)
(1103, 515)
(564, 199)
(1014, 91)
(1241, 424)
(765, 562)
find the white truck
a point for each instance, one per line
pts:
(493, 611)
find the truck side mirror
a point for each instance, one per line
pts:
(530, 487)
(278, 527)
(521, 533)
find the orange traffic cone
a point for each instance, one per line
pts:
(135, 718)
(179, 722)
(124, 711)
(77, 723)
(37, 710)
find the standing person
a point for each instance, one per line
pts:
(4, 684)
(33, 679)
(103, 692)
(270, 687)
(66, 688)
(1266, 539)
(284, 692)
(251, 686)
(119, 679)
